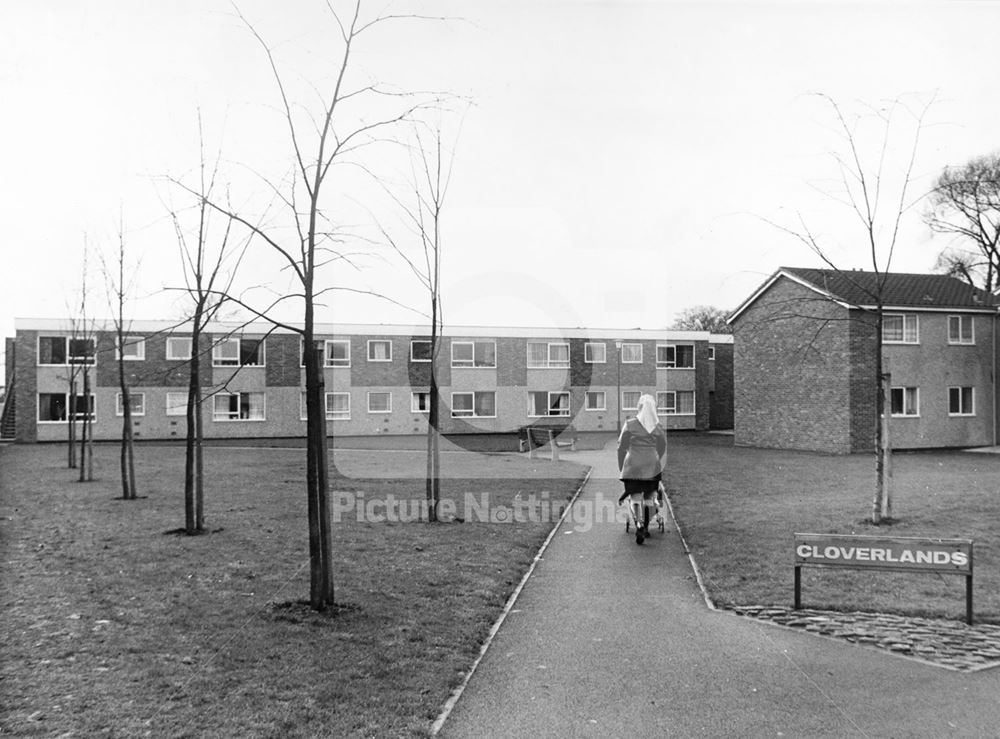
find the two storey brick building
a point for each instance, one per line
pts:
(493, 380)
(805, 350)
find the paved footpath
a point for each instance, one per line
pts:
(613, 639)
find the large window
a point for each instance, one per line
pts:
(137, 401)
(379, 350)
(473, 354)
(134, 346)
(545, 354)
(595, 400)
(479, 404)
(52, 407)
(178, 347)
(544, 403)
(177, 404)
(675, 356)
(379, 402)
(904, 401)
(631, 353)
(420, 350)
(961, 401)
(337, 353)
(238, 407)
(675, 402)
(63, 350)
(595, 352)
(960, 330)
(900, 328)
(238, 352)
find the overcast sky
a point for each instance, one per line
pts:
(616, 166)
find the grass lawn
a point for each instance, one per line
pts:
(738, 509)
(114, 627)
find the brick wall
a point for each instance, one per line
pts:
(25, 349)
(791, 362)
(721, 412)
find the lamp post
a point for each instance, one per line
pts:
(618, 397)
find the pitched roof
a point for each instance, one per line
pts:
(856, 288)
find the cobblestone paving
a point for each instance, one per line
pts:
(951, 644)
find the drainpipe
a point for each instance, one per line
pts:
(996, 406)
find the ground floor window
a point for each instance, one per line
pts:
(380, 402)
(675, 402)
(177, 404)
(961, 401)
(630, 400)
(595, 400)
(474, 405)
(52, 407)
(420, 402)
(238, 407)
(136, 400)
(338, 406)
(905, 401)
(544, 403)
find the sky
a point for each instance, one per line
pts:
(613, 162)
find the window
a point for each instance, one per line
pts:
(380, 402)
(960, 330)
(338, 406)
(630, 400)
(675, 402)
(420, 401)
(543, 403)
(379, 350)
(711, 353)
(52, 407)
(678, 356)
(543, 354)
(178, 347)
(64, 350)
(233, 352)
(177, 404)
(961, 401)
(595, 400)
(420, 350)
(474, 405)
(900, 328)
(631, 353)
(137, 402)
(595, 352)
(905, 401)
(337, 353)
(135, 348)
(238, 407)
(473, 354)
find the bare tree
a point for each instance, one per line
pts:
(319, 139)
(82, 352)
(209, 272)
(430, 175)
(965, 203)
(878, 198)
(702, 318)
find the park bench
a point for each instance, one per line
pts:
(533, 438)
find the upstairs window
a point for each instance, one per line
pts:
(420, 350)
(960, 330)
(675, 356)
(595, 352)
(178, 347)
(473, 354)
(134, 348)
(63, 350)
(379, 350)
(545, 354)
(631, 353)
(337, 353)
(900, 328)
(238, 352)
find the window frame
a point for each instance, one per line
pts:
(328, 361)
(68, 356)
(665, 409)
(263, 406)
(379, 341)
(413, 398)
(961, 396)
(671, 348)
(604, 400)
(630, 406)
(74, 416)
(549, 364)
(903, 389)
(261, 353)
(548, 404)
(182, 406)
(190, 351)
(473, 413)
(588, 345)
(139, 342)
(962, 318)
(413, 342)
(902, 341)
(630, 344)
(120, 409)
(474, 362)
(387, 393)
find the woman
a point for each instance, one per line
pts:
(641, 449)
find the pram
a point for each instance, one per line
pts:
(639, 510)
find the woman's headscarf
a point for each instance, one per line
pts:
(647, 413)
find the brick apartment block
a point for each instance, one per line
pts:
(805, 348)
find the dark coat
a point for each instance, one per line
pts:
(640, 452)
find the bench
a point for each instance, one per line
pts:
(534, 438)
(900, 554)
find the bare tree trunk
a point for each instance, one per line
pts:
(192, 442)
(71, 424)
(127, 456)
(880, 413)
(86, 446)
(433, 424)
